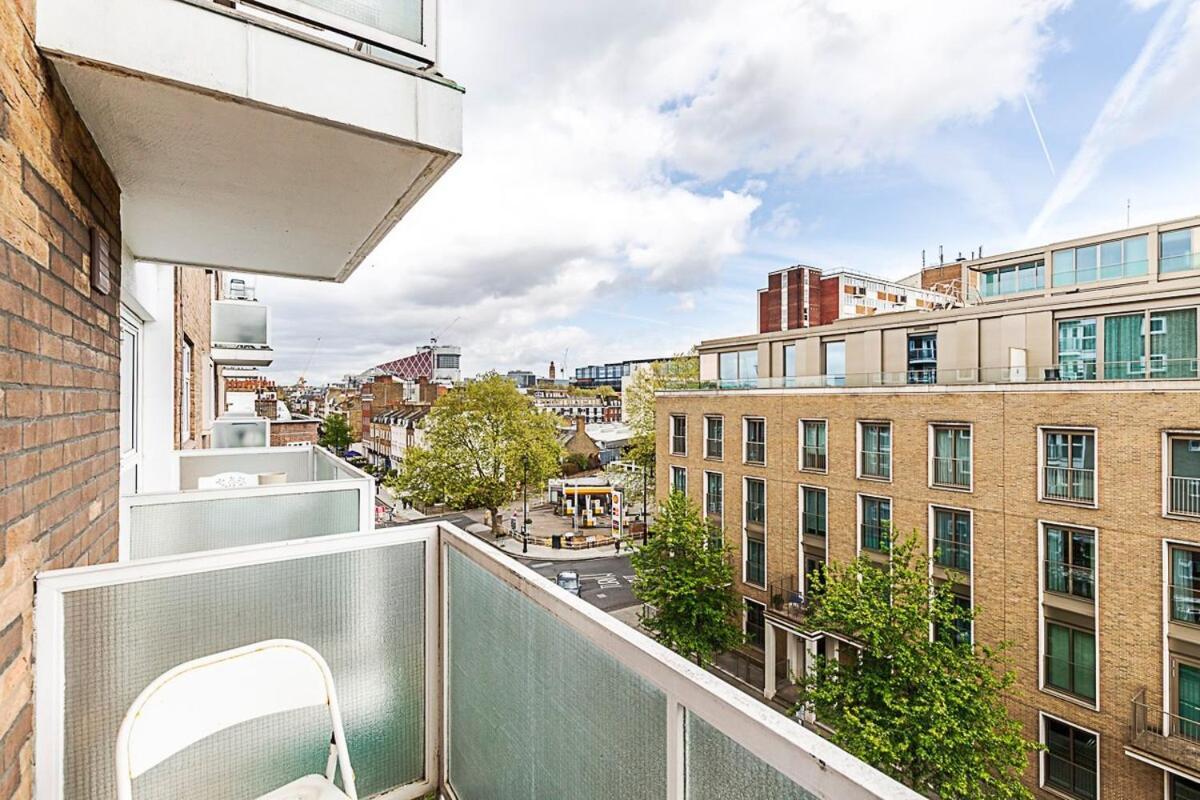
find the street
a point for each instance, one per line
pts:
(607, 582)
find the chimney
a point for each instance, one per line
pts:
(580, 425)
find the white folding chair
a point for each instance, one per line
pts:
(227, 480)
(202, 697)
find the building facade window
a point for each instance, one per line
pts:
(952, 456)
(789, 361)
(1013, 278)
(1120, 258)
(185, 393)
(1077, 350)
(1070, 561)
(1185, 585)
(834, 354)
(922, 358)
(1125, 346)
(813, 511)
(952, 539)
(678, 435)
(755, 566)
(738, 369)
(1071, 660)
(1069, 760)
(813, 445)
(714, 438)
(875, 527)
(1183, 475)
(1184, 789)
(959, 631)
(1173, 344)
(1069, 466)
(679, 479)
(754, 431)
(1179, 251)
(875, 450)
(714, 495)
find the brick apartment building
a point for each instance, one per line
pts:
(1043, 440)
(113, 237)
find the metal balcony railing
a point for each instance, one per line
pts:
(756, 452)
(1169, 735)
(876, 537)
(714, 448)
(952, 472)
(1161, 369)
(1185, 604)
(1183, 496)
(814, 457)
(756, 513)
(952, 554)
(423, 629)
(814, 523)
(1064, 578)
(876, 463)
(1074, 484)
(788, 598)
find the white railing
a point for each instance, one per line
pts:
(241, 324)
(424, 629)
(1184, 497)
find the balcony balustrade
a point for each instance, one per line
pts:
(446, 656)
(1167, 737)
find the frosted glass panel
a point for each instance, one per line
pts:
(539, 712)
(296, 463)
(397, 17)
(171, 528)
(718, 768)
(252, 433)
(362, 610)
(239, 323)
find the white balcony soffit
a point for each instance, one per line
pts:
(241, 146)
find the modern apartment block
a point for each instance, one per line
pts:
(802, 297)
(1043, 442)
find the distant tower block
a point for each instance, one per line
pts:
(551, 370)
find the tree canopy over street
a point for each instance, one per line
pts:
(686, 577)
(638, 402)
(482, 440)
(335, 433)
(927, 710)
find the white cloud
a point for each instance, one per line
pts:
(601, 145)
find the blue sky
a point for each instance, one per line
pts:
(628, 182)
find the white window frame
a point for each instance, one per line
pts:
(426, 49)
(800, 445)
(1041, 572)
(746, 440)
(704, 493)
(707, 455)
(671, 435)
(678, 470)
(800, 490)
(1167, 435)
(132, 459)
(746, 537)
(1042, 430)
(858, 451)
(187, 355)
(931, 444)
(932, 529)
(1042, 717)
(858, 522)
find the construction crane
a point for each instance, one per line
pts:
(308, 363)
(433, 337)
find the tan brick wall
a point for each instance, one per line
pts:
(193, 320)
(1006, 511)
(59, 363)
(293, 432)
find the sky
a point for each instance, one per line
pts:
(631, 172)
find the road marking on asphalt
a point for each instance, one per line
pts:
(541, 564)
(601, 596)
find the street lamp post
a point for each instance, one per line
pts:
(524, 503)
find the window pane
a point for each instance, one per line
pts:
(1064, 268)
(1008, 280)
(1136, 255)
(1173, 344)
(789, 361)
(1124, 346)
(728, 367)
(748, 365)
(1086, 259)
(1176, 252)
(835, 360)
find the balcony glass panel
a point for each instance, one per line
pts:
(229, 433)
(517, 682)
(363, 610)
(719, 768)
(172, 524)
(1179, 251)
(239, 323)
(396, 17)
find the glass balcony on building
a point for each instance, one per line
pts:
(284, 137)
(460, 674)
(253, 495)
(241, 333)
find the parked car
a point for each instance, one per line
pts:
(569, 580)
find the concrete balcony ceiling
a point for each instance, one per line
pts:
(242, 144)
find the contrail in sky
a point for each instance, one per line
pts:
(1038, 129)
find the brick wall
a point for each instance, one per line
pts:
(59, 363)
(285, 432)
(193, 323)
(1006, 512)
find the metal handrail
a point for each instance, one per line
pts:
(1073, 579)
(814, 457)
(952, 471)
(952, 553)
(756, 452)
(1184, 496)
(808, 518)
(1158, 721)
(877, 463)
(1069, 483)
(876, 537)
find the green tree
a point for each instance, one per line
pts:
(639, 404)
(335, 433)
(927, 710)
(481, 441)
(689, 583)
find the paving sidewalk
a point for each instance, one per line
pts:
(539, 552)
